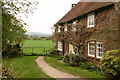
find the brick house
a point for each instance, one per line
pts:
(89, 28)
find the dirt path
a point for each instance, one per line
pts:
(54, 73)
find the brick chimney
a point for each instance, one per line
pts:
(73, 5)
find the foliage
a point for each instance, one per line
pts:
(111, 62)
(13, 33)
(89, 66)
(13, 28)
(54, 52)
(73, 59)
(77, 71)
(12, 51)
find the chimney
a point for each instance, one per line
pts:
(73, 5)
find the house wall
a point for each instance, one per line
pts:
(106, 30)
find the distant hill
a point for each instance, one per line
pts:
(37, 34)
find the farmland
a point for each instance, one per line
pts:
(39, 47)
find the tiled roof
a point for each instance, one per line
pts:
(82, 8)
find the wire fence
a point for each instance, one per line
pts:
(36, 50)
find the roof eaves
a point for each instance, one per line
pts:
(109, 5)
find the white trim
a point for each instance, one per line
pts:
(88, 20)
(59, 28)
(59, 46)
(74, 25)
(89, 49)
(97, 49)
(65, 27)
(73, 49)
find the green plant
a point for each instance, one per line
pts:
(73, 59)
(90, 66)
(77, 71)
(111, 62)
(53, 52)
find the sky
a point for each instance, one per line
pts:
(48, 12)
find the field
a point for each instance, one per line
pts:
(39, 47)
(38, 43)
(25, 66)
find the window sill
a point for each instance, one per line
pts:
(91, 56)
(99, 58)
(94, 57)
(90, 26)
(59, 49)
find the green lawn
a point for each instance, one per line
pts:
(46, 44)
(24, 67)
(72, 70)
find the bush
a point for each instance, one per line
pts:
(111, 62)
(54, 52)
(12, 51)
(89, 66)
(73, 59)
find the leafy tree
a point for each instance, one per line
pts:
(13, 28)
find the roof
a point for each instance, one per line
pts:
(82, 8)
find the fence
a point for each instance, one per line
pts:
(36, 50)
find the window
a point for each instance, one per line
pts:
(71, 49)
(91, 48)
(65, 27)
(99, 47)
(59, 29)
(74, 26)
(59, 45)
(95, 45)
(90, 20)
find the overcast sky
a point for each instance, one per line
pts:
(48, 12)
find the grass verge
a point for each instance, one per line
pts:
(77, 71)
(24, 67)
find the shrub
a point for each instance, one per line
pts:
(111, 62)
(73, 59)
(53, 52)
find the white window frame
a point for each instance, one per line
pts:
(74, 25)
(91, 47)
(90, 20)
(59, 28)
(73, 52)
(97, 49)
(59, 45)
(65, 27)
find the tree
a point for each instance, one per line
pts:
(12, 26)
